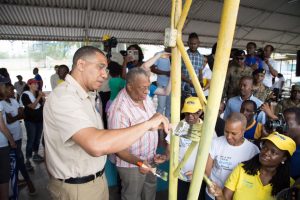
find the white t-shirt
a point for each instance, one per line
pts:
(19, 87)
(268, 76)
(226, 157)
(278, 82)
(206, 74)
(183, 146)
(15, 127)
(3, 139)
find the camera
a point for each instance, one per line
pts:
(123, 53)
(109, 44)
(278, 125)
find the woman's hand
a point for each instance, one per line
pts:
(215, 190)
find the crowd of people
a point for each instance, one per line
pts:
(101, 115)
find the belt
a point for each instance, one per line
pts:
(84, 179)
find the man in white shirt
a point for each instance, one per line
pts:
(229, 150)
(269, 65)
(19, 86)
(54, 78)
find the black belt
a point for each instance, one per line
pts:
(84, 179)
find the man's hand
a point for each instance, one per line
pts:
(189, 174)
(145, 168)
(158, 121)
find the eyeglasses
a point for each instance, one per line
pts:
(101, 66)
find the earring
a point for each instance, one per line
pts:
(282, 162)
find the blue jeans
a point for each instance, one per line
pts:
(164, 105)
(34, 133)
(207, 197)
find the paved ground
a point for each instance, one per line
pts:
(40, 179)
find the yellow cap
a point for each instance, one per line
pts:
(191, 105)
(105, 37)
(282, 142)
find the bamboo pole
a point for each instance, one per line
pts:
(226, 33)
(191, 72)
(175, 101)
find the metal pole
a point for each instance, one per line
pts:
(175, 102)
(226, 33)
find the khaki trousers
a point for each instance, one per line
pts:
(93, 190)
(137, 186)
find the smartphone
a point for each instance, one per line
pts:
(134, 54)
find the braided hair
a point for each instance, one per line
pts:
(279, 181)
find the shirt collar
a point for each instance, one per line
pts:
(189, 51)
(81, 92)
(250, 98)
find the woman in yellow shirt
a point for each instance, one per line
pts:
(263, 176)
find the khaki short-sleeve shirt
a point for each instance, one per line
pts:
(67, 110)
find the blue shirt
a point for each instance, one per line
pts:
(38, 77)
(164, 65)
(295, 163)
(234, 105)
(152, 89)
(254, 60)
(197, 61)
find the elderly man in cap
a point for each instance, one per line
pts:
(192, 110)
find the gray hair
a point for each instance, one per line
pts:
(135, 72)
(237, 117)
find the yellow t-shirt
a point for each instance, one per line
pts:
(59, 81)
(248, 187)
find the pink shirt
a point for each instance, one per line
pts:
(124, 112)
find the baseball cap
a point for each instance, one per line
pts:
(258, 71)
(105, 37)
(191, 105)
(296, 87)
(282, 142)
(31, 81)
(4, 79)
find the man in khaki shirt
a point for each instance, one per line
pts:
(76, 144)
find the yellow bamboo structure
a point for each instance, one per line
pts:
(226, 33)
(191, 72)
(175, 101)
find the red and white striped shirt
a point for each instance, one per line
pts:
(124, 112)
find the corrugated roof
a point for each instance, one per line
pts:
(143, 21)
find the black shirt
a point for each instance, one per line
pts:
(33, 115)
